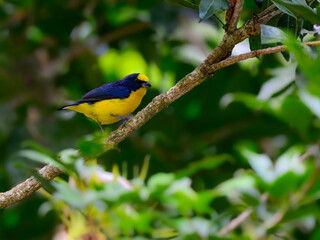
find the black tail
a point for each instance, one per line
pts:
(62, 108)
(66, 106)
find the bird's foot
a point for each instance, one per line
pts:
(101, 127)
(124, 119)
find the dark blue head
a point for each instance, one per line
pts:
(135, 81)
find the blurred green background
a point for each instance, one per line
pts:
(209, 153)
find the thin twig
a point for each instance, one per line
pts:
(266, 11)
(235, 222)
(275, 219)
(305, 156)
(241, 218)
(235, 16)
(267, 17)
(232, 60)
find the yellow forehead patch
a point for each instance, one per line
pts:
(143, 77)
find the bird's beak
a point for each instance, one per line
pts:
(146, 84)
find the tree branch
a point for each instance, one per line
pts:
(197, 76)
(235, 222)
(232, 60)
(235, 16)
(27, 187)
(266, 11)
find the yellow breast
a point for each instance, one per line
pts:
(104, 110)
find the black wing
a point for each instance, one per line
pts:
(107, 91)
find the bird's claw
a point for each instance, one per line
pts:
(124, 119)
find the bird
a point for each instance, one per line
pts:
(113, 101)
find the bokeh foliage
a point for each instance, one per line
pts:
(243, 141)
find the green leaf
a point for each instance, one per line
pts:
(308, 64)
(203, 203)
(161, 181)
(209, 7)
(261, 164)
(281, 177)
(42, 158)
(282, 77)
(311, 101)
(72, 196)
(290, 161)
(291, 24)
(69, 155)
(294, 112)
(271, 34)
(91, 147)
(113, 191)
(164, 233)
(194, 225)
(298, 9)
(284, 9)
(229, 187)
(283, 184)
(182, 187)
(251, 198)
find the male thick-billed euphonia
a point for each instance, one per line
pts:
(112, 101)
